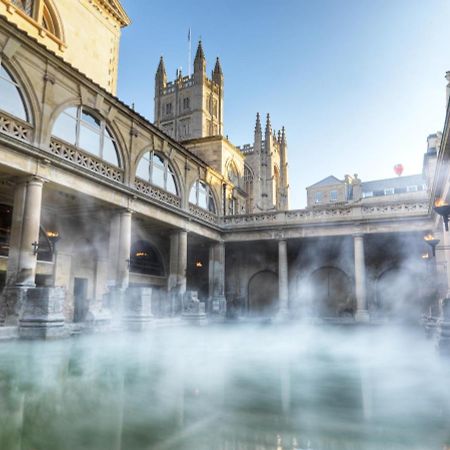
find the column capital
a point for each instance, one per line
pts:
(30, 179)
(358, 235)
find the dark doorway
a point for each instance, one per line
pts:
(80, 299)
(332, 292)
(263, 294)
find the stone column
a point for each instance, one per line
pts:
(124, 249)
(283, 277)
(182, 261)
(31, 220)
(216, 274)
(362, 314)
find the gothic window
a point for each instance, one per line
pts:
(186, 103)
(168, 108)
(184, 129)
(233, 175)
(78, 127)
(11, 98)
(156, 170)
(145, 259)
(202, 196)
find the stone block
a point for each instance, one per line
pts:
(193, 309)
(137, 308)
(42, 313)
(11, 302)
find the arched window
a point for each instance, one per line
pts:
(145, 259)
(11, 98)
(24, 5)
(202, 196)
(233, 174)
(156, 170)
(82, 129)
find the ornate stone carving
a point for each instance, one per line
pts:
(157, 193)
(80, 158)
(15, 127)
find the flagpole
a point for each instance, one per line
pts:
(189, 52)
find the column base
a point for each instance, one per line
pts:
(362, 316)
(42, 314)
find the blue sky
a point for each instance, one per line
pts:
(358, 84)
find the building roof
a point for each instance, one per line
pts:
(331, 179)
(396, 183)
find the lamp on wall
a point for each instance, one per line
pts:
(443, 209)
(53, 237)
(432, 242)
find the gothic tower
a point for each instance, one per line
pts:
(190, 107)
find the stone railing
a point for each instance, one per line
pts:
(15, 127)
(203, 214)
(80, 158)
(328, 214)
(157, 193)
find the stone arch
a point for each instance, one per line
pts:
(51, 20)
(263, 294)
(146, 259)
(173, 167)
(330, 292)
(75, 103)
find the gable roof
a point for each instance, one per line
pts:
(326, 181)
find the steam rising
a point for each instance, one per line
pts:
(244, 387)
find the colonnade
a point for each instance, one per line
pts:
(25, 237)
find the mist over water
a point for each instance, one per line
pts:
(280, 387)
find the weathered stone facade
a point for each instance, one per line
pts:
(99, 202)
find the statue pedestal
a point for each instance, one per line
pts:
(137, 308)
(42, 313)
(193, 310)
(218, 305)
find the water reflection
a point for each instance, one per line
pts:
(239, 388)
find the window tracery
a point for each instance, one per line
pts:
(157, 171)
(79, 127)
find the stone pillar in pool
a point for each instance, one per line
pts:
(362, 314)
(216, 267)
(283, 290)
(119, 258)
(176, 283)
(22, 260)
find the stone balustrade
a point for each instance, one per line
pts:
(156, 193)
(15, 127)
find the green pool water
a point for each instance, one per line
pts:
(246, 387)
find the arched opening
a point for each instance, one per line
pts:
(263, 294)
(11, 98)
(156, 170)
(145, 259)
(399, 294)
(331, 292)
(89, 132)
(201, 195)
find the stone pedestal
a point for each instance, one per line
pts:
(137, 308)
(11, 303)
(443, 328)
(42, 313)
(362, 314)
(193, 309)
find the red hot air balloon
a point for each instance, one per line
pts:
(398, 169)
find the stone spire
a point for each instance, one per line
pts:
(200, 60)
(217, 74)
(161, 76)
(283, 135)
(268, 125)
(258, 124)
